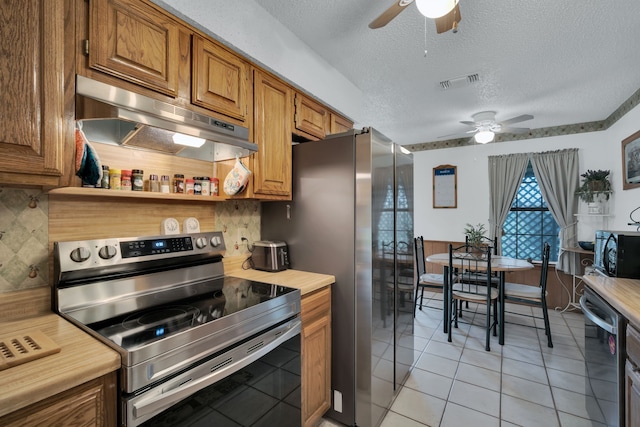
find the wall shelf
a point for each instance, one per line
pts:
(140, 195)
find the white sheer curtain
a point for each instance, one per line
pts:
(557, 175)
(505, 175)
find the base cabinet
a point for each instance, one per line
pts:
(316, 355)
(632, 378)
(90, 404)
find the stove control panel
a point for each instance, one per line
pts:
(85, 254)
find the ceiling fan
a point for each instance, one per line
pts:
(485, 126)
(446, 14)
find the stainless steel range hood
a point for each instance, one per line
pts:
(112, 115)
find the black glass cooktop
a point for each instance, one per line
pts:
(177, 309)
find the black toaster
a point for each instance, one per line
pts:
(270, 255)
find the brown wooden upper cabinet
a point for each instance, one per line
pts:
(272, 132)
(339, 124)
(32, 97)
(311, 119)
(221, 81)
(135, 42)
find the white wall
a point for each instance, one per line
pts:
(597, 150)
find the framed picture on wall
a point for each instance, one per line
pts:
(445, 187)
(631, 161)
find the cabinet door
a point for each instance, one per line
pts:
(220, 80)
(32, 95)
(339, 124)
(632, 395)
(316, 355)
(273, 102)
(134, 42)
(310, 117)
(89, 404)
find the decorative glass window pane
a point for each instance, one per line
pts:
(529, 223)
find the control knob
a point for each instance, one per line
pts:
(201, 242)
(107, 252)
(80, 254)
(216, 241)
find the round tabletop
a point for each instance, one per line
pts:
(498, 263)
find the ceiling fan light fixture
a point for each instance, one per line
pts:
(435, 8)
(484, 136)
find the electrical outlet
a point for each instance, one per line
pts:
(242, 232)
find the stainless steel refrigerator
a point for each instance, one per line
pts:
(352, 217)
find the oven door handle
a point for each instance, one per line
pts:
(155, 404)
(612, 329)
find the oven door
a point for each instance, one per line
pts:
(257, 382)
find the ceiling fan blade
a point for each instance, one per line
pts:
(393, 11)
(518, 119)
(458, 135)
(446, 22)
(468, 123)
(513, 130)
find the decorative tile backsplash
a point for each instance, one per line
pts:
(24, 260)
(24, 236)
(235, 214)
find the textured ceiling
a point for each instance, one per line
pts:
(563, 62)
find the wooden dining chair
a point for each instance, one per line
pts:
(533, 295)
(424, 280)
(465, 286)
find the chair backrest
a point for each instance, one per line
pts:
(545, 267)
(419, 251)
(465, 262)
(484, 240)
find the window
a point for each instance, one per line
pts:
(404, 224)
(529, 223)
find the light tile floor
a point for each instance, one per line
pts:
(523, 383)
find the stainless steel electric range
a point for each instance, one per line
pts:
(196, 346)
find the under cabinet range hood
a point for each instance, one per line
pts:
(112, 115)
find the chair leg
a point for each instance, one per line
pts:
(547, 327)
(495, 317)
(488, 327)
(452, 306)
(415, 301)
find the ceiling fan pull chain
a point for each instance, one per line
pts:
(425, 36)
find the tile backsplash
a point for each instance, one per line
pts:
(24, 216)
(24, 236)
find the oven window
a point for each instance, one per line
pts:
(265, 393)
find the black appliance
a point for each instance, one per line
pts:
(617, 253)
(604, 344)
(196, 346)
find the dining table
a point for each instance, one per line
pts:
(499, 264)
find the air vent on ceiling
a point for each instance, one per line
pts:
(459, 82)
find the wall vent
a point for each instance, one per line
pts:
(459, 82)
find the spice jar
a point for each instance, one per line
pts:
(154, 184)
(104, 182)
(115, 179)
(206, 186)
(215, 187)
(189, 185)
(178, 183)
(165, 185)
(125, 180)
(137, 181)
(197, 185)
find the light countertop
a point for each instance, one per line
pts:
(621, 294)
(81, 359)
(305, 281)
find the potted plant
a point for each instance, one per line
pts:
(595, 184)
(475, 234)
